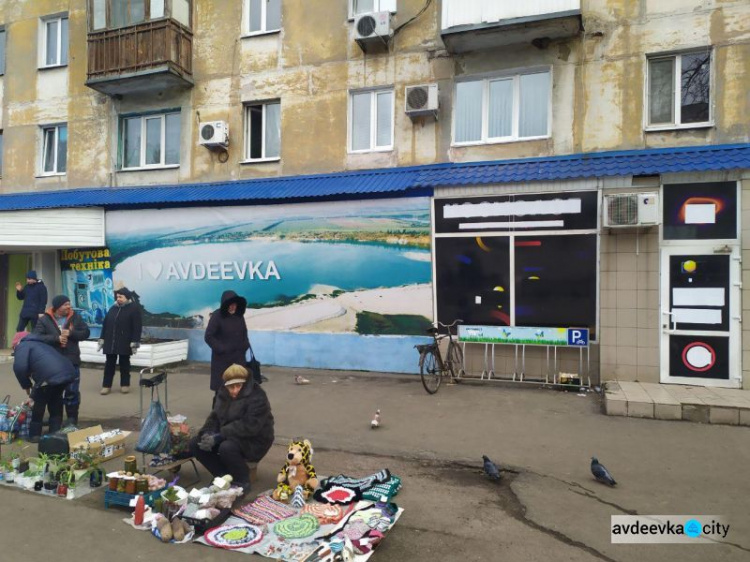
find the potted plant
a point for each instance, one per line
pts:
(65, 477)
(15, 461)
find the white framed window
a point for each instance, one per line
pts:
(263, 131)
(679, 90)
(54, 159)
(54, 42)
(371, 120)
(357, 7)
(150, 141)
(502, 109)
(261, 16)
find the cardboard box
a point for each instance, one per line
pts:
(106, 448)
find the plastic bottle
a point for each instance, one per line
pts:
(140, 507)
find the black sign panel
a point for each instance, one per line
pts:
(703, 357)
(699, 291)
(700, 211)
(518, 213)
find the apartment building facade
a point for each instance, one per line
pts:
(557, 164)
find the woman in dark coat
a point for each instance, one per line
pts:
(238, 430)
(226, 335)
(120, 337)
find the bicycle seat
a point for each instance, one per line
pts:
(432, 330)
(156, 380)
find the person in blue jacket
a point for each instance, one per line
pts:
(43, 373)
(34, 297)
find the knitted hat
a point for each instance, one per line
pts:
(235, 374)
(124, 291)
(18, 337)
(59, 300)
(31, 274)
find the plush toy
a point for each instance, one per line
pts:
(298, 471)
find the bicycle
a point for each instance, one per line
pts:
(433, 366)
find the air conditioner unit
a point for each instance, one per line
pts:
(422, 100)
(373, 29)
(631, 209)
(214, 134)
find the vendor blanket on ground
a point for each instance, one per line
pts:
(309, 534)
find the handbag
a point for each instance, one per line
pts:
(155, 437)
(254, 367)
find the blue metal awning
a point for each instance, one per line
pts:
(393, 182)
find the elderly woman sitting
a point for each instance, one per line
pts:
(238, 430)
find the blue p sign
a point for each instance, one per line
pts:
(578, 337)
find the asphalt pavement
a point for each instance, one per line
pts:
(546, 507)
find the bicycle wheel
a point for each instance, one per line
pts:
(429, 369)
(455, 362)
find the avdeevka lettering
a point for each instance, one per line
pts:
(224, 270)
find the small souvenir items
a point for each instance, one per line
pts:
(241, 535)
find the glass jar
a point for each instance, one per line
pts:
(113, 482)
(130, 486)
(141, 485)
(131, 465)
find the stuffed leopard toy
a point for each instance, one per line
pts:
(298, 471)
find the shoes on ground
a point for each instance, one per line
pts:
(104, 391)
(125, 389)
(35, 439)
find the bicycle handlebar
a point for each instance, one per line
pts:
(457, 321)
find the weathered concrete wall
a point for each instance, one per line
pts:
(313, 63)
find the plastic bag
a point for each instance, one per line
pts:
(155, 436)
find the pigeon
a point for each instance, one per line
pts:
(490, 468)
(601, 473)
(299, 379)
(375, 423)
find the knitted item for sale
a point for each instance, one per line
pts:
(338, 495)
(297, 527)
(326, 514)
(264, 510)
(363, 484)
(388, 489)
(298, 499)
(233, 536)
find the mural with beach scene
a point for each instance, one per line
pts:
(339, 267)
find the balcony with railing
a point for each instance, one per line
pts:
(469, 25)
(139, 46)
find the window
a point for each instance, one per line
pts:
(371, 118)
(357, 7)
(54, 42)
(113, 14)
(679, 89)
(2, 51)
(150, 141)
(263, 131)
(263, 15)
(502, 109)
(54, 149)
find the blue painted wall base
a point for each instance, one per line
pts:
(346, 352)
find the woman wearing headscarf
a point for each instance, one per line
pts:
(120, 338)
(226, 335)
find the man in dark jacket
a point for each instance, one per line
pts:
(238, 430)
(51, 373)
(121, 337)
(34, 297)
(226, 335)
(62, 328)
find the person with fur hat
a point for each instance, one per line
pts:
(238, 430)
(37, 365)
(120, 338)
(226, 335)
(62, 328)
(34, 297)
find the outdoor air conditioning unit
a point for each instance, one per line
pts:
(373, 29)
(422, 100)
(631, 209)
(214, 134)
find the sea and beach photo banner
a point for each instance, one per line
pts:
(360, 267)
